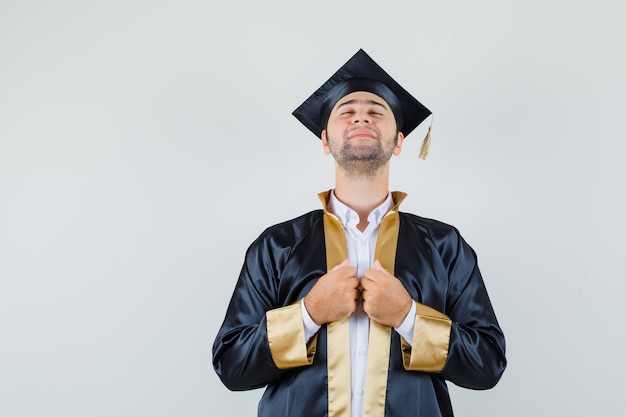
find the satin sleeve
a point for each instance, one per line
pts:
(260, 337)
(476, 352)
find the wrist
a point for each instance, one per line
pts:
(310, 308)
(402, 317)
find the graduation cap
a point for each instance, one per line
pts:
(361, 73)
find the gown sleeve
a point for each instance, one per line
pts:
(476, 353)
(463, 343)
(260, 337)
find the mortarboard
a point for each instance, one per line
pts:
(362, 73)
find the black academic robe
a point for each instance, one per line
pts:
(438, 269)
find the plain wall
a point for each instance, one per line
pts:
(145, 144)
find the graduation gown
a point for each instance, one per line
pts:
(456, 336)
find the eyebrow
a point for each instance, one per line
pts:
(355, 101)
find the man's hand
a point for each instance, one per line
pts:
(384, 297)
(334, 296)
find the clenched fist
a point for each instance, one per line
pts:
(334, 296)
(384, 297)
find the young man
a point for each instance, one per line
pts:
(359, 310)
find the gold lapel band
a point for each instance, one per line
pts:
(380, 335)
(338, 332)
(339, 391)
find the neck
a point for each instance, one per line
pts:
(362, 193)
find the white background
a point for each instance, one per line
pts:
(145, 144)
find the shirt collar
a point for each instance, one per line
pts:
(347, 216)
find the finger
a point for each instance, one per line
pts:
(349, 287)
(367, 281)
(372, 274)
(341, 265)
(379, 267)
(347, 271)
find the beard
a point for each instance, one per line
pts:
(359, 161)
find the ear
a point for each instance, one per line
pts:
(398, 148)
(325, 146)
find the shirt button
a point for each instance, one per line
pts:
(362, 353)
(363, 242)
(361, 392)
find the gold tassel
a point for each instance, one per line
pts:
(426, 142)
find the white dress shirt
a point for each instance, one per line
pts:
(361, 247)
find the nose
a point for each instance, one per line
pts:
(360, 116)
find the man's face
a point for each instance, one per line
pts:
(361, 133)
